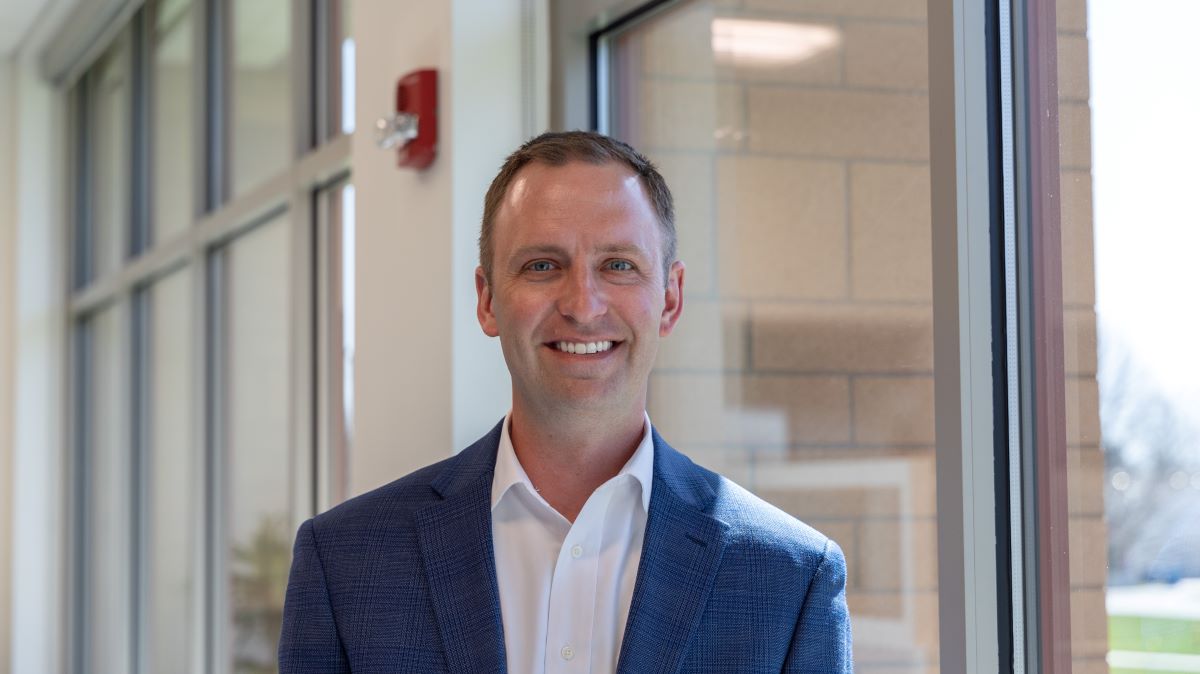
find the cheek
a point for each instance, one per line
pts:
(520, 313)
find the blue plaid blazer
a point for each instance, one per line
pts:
(403, 579)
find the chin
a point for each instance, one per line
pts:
(589, 394)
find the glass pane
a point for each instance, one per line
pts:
(175, 120)
(336, 209)
(109, 129)
(796, 143)
(346, 78)
(108, 519)
(256, 406)
(1128, 101)
(348, 231)
(174, 480)
(261, 102)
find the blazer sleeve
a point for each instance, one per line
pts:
(309, 642)
(821, 642)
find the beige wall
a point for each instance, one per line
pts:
(426, 379)
(402, 358)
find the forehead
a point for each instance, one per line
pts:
(579, 198)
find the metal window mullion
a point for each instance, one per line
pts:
(325, 69)
(1016, 561)
(199, 433)
(961, 172)
(216, 604)
(81, 264)
(327, 385)
(307, 81)
(141, 44)
(200, 122)
(140, 353)
(80, 367)
(306, 78)
(138, 233)
(333, 329)
(215, 103)
(1046, 514)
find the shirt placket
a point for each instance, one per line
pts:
(569, 634)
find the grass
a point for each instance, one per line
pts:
(1141, 634)
(1156, 635)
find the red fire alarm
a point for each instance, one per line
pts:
(412, 130)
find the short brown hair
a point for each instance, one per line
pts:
(559, 148)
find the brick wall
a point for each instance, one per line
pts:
(1087, 531)
(803, 365)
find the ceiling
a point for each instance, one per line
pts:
(16, 19)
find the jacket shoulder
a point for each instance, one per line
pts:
(396, 498)
(751, 516)
(397, 502)
(755, 523)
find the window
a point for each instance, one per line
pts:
(193, 320)
(1126, 103)
(795, 140)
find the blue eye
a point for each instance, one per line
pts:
(541, 265)
(620, 265)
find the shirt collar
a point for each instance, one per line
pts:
(510, 472)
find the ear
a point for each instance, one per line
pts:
(483, 308)
(673, 306)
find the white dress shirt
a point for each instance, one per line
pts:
(565, 588)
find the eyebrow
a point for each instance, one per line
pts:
(615, 248)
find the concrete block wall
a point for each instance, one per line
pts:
(806, 346)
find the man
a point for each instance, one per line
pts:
(571, 537)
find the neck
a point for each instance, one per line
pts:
(568, 455)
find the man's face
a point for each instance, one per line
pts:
(577, 295)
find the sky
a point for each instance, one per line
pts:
(1145, 97)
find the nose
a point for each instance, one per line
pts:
(581, 298)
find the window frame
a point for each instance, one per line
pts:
(975, 601)
(316, 162)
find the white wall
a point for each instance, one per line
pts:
(33, 221)
(7, 305)
(426, 379)
(32, 356)
(37, 634)
(487, 113)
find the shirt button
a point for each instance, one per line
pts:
(576, 551)
(567, 652)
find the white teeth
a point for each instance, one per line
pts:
(584, 347)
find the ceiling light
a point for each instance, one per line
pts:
(751, 42)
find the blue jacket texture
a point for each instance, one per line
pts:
(403, 579)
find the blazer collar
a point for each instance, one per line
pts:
(455, 536)
(469, 465)
(681, 552)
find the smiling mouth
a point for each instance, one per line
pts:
(584, 347)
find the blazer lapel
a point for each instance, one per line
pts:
(681, 552)
(455, 536)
